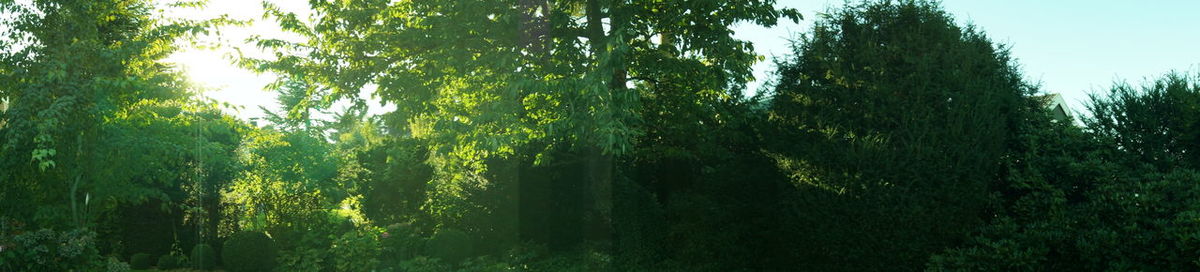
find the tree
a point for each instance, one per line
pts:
(1157, 123)
(892, 121)
(1116, 195)
(73, 73)
(481, 82)
(297, 109)
(287, 183)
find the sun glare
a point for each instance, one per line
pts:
(213, 69)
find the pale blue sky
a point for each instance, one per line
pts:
(1072, 47)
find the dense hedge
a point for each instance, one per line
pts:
(248, 252)
(140, 261)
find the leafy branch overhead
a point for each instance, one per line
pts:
(483, 79)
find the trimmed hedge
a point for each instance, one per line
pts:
(140, 261)
(204, 257)
(248, 252)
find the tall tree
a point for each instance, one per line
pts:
(893, 122)
(70, 68)
(1118, 194)
(1158, 123)
(483, 80)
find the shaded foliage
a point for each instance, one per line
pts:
(1157, 122)
(895, 122)
(578, 135)
(490, 88)
(249, 251)
(1116, 195)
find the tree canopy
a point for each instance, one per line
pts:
(898, 120)
(576, 135)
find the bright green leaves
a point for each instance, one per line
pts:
(287, 21)
(290, 178)
(42, 157)
(483, 82)
(93, 106)
(464, 62)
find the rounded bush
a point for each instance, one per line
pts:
(140, 261)
(249, 251)
(169, 261)
(450, 245)
(204, 257)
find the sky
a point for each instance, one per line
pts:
(1070, 47)
(214, 70)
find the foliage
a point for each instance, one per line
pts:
(490, 88)
(141, 261)
(305, 192)
(357, 250)
(423, 264)
(577, 135)
(640, 225)
(171, 261)
(49, 250)
(305, 259)
(285, 184)
(400, 242)
(399, 179)
(585, 259)
(114, 265)
(249, 251)
(1158, 123)
(433, 264)
(1095, 199)
(97, 122)
(450, 246)
(896, 119)
(204, 257)
(325, 243)
(72, 71)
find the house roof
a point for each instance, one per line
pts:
(1055, 103)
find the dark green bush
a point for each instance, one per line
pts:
(1117, 195)
(170, 261)
(50, 250)
(249, 251)
(140, 261)
(896, 120)
(400, 242)
(204, 257)
(450, 245)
